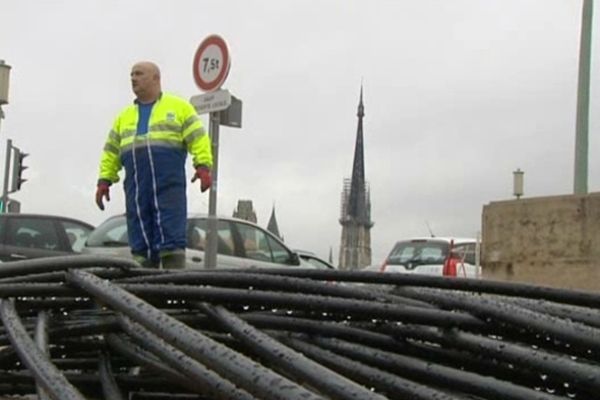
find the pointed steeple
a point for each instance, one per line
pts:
(357, 203)
(355, 246)
(361, 107)
(272, 225)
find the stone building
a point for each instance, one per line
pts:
(550, 241)
(245, 210)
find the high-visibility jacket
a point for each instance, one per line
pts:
(154, 162)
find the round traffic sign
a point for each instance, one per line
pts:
(211, 63)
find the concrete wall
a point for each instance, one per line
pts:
(546, 240)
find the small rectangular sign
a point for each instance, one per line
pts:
(232, 116)
(213, 101)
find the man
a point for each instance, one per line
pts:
(151, 139)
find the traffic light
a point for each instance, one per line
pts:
(18, 168)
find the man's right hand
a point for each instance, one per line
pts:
(102, 191)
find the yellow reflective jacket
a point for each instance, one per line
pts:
(173, 127)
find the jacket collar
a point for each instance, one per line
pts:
(136, 101)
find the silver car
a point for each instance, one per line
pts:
(241, 244)
(27, 236)
(312, 258)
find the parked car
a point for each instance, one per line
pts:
(427, 256)
(313, 259)
(241, 244)
(24, 236)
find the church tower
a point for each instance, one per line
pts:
(355, 218)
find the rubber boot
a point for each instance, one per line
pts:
(145, 262)
(173, 260)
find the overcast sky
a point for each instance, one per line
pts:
(458, 94)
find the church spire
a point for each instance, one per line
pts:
(361, 107)
(272, 226)
(357, 204)
(355, 247)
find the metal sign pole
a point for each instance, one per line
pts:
(6, 175)
(580, 185)
(210, 68)
(210, 257)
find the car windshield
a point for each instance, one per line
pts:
(316, 261)
(418, 252)
(113, 232)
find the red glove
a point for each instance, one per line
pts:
(203, 173)
(102, 191)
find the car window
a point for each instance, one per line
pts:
(254, 243)
(315, 261)
(280, 254)
(197, 232)
(76, 234)
(259, 245)
(196, 237)
(113, 232)
(225, 244)
(466, 251)
(33, 233)
(418, 251)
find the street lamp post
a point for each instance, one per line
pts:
(9, 148)
(4, 79)
(518, 183)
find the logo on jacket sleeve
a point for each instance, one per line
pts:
(170, 116)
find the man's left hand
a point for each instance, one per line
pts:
(203, 173)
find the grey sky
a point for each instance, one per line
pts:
(457, 94)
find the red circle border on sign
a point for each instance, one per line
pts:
(213, 85)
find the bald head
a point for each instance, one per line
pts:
(145, 81)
